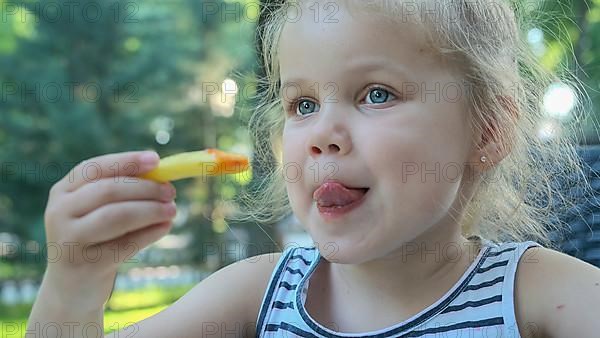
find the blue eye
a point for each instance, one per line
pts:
(303, 107)
(378, 95)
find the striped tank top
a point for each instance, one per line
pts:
(480, 304)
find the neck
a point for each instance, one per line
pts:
(429, 265)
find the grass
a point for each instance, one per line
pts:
(123, 308)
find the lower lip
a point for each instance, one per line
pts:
(333, 213)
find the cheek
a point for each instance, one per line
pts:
(292, 144)
(293, 171)
(418, 174)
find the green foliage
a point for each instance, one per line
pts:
(147, 297)
(77, 84)
(125, 308)
(572, 38)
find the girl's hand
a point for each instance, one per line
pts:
(101, 214)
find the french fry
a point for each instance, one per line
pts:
(208, 162)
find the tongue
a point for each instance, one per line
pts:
(335, 194)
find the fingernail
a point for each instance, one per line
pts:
(149, 158)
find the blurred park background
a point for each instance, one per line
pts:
(83, 78)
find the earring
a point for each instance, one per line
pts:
(483, 159)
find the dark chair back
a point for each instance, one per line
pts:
(582, 238)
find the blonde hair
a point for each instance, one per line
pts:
(518, 198)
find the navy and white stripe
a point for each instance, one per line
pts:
(480, 304)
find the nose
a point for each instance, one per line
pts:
(330, 136)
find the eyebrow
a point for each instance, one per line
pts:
(368, 65)
(373, 64)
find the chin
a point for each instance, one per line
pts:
(342, 251)
(349, 256)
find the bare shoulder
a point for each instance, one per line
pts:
(226, 301)
(556, 295)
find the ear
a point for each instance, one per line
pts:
(489, 142)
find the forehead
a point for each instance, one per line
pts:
(342, 34)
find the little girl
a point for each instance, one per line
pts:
(406, 142)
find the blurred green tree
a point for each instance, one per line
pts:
(570, 32)
(84, 78)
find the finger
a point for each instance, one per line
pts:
(131, 243)
(112, 190)
(116, 219)
(126, 164)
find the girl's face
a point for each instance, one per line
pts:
(379, 110)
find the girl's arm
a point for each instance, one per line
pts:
(558, 295)
(68, 305)
(224, 304)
